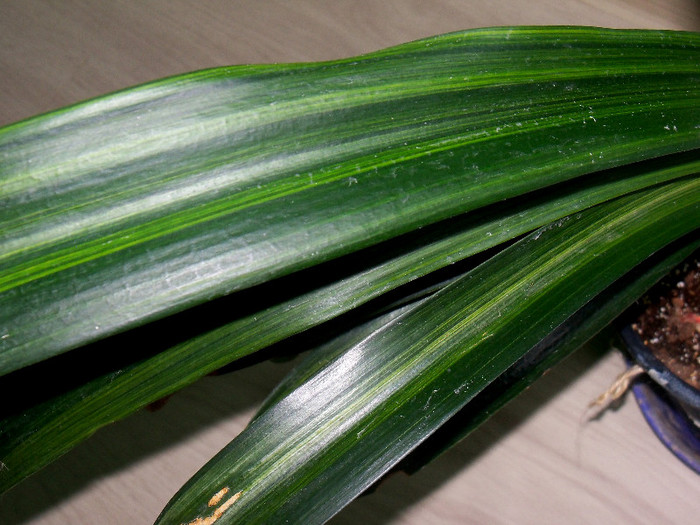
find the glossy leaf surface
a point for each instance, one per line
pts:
(128, 208)
(32, 436)
(602, 310)
(353, 412)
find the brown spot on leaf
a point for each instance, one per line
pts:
(216, 498)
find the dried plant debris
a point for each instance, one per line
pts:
(670, 323)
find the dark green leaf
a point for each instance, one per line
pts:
(343, 426)
(602, 310)
(140, 204)
(33, 436)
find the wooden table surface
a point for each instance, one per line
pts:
(537, 461)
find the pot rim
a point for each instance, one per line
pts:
(675, 386)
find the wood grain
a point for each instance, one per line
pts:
(537, 461)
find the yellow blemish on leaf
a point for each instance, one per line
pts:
(216, 498)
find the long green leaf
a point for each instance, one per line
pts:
(314, 450)
(602, 310)
(33, 436)
(140, 204)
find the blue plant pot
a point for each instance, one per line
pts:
(670, 405)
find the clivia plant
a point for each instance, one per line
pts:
(445, 219)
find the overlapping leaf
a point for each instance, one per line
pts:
(32, 436)
(355, 410)
(125, 209)
(351, 175)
